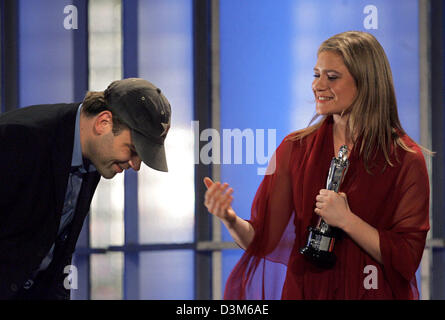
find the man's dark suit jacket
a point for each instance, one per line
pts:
(36, 146)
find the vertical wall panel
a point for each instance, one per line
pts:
(130, 64)
(437, 74)
(45, 53)
(205, 113)
(165, 58)
(166, 200)
(107, 206)
(80, 86)
(9, 55)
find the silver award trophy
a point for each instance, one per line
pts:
(320, 244)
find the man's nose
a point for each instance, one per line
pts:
(135, 163)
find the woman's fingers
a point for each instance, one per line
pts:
(221, 210)
(217, 190)
(208, 182)
(211, 188)
(214, 189)
(211, 192)
(218, 197)
(224, 201)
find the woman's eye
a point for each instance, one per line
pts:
(316, 76)
(332, 77)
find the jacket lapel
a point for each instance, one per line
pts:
(86, 193)
(62, 153)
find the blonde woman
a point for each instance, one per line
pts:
(382, 208)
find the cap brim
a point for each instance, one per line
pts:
(152, 154)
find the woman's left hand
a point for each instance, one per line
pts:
(333, 207)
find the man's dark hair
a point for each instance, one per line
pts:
(94, 103)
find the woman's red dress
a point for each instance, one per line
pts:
(395, 202)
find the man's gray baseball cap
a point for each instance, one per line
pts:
(146, 111)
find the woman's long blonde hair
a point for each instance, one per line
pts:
(373, 114)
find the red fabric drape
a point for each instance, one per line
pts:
(395, 202)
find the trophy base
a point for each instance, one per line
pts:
(322, 259)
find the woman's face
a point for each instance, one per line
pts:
(333, 86)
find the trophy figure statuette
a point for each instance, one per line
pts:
(320, 245)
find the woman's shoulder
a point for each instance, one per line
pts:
(413, 156)
(292, 140)
(301, 139)
(411, 164)
(292, 147)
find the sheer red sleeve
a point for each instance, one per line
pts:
(402, 240)
(271, 211)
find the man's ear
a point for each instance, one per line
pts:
(103, 122)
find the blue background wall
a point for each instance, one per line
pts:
(46, 51)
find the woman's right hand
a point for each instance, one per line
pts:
(218, 199)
